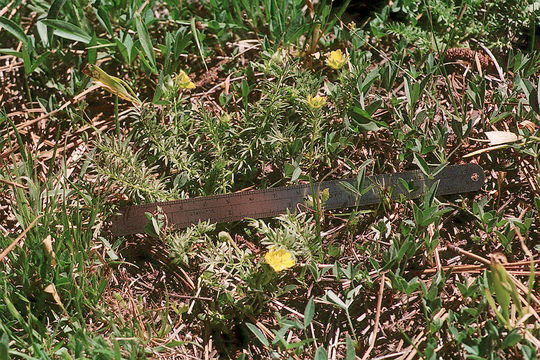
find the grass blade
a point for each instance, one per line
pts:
(258, 333)
(309, 313)
(146, 42)
(67, 30)
(197, 41)
(16, 31)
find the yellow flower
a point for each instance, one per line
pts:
(184, 81)
(336, 60)
(316, 102)
(279, 259)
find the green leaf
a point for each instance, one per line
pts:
(422, 164)
(365, 85)
(198, 42)
(4, 346)
(22, 355)
(67, 30)
(11, 52)
(38, 61)
(150, 226)
(258, 333)
(332, 296)
(511, 339)
(117, 353)
(55, 8)
(16, 314)
(15, 30)
(325, 195)
(491, 302)
(502, 294)
(146, 43)
(295, 29)
(363, 113)
(296, 173)
(321, 354)
(43, 33)
(363, 119)
(528, 352)
(532, 94)
(309, 312)
(126, 48)
(350, 353)
(103, 18)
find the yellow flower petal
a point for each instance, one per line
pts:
(184, 81)
(336, 59)
(279, 259)
(316, 102)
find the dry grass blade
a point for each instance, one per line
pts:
(18, 239)
(468, 254)
(12, 183)
(377, 318)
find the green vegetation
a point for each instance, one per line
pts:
(196, 98)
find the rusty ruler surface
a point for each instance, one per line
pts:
(452, 179)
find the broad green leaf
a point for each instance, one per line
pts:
(511, 339)
(126, 48)
(537, 105)
(11, 52)
(258, 333)
(363, 113)
(505, 289)
(350, 352)
(4, 346)
(103, 18)
(43, 30)
(309, 312)
(67, 30)
(55, 8)
(332, 296)
(296, 173)
(532, 94)
(422, 164)
(38, 61)
(491, 302)
(21, 355)
(146, 42)
(363, 119)
(365, 85)
(321, 354)
(325, 195)
(15, 30)
(410, 93)
(16, 314)
(528, 352)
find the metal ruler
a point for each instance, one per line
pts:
(274, 201)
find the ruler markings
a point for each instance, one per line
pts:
(273, 201)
